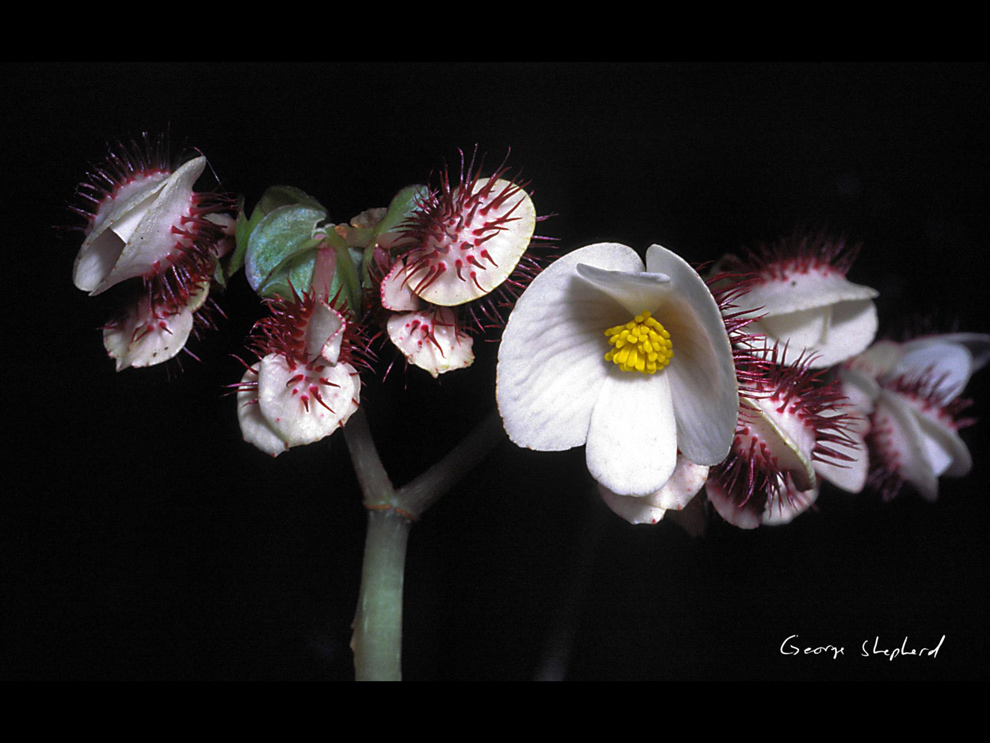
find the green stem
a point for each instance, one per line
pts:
(347, 270)
(377, 640)
(377, 490)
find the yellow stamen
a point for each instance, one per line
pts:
(642, 345)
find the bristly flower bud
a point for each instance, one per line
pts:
(461, 243)
(798, 286)
(788, 420)
(305, 385)
(144, 221)
(910, 396)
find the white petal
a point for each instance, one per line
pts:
(324, 333)
(551, 362)
(687, 480)
(861, 389)
(254, 426)
(149, 335)
(431, 340)
(632, 440)
(152, 242)
(830, 334)
(395, 292)
(877, 360)
(635, 290)
(290, 395)
(790, 505)
(780, 510)
(978, 345)
(946, 451)
(788, 440)
(904, 445)
(726, 507)
(947, 363)
(629, 507)
(803, 291)
(702, 372)
(112, 226)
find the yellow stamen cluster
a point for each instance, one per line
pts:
(642, 345)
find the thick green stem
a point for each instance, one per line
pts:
(377, 640)
(377, 490)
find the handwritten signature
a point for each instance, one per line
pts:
(790, 646)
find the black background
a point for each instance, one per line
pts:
(142, 539)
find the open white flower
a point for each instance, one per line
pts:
(808, 306)
(632, 361)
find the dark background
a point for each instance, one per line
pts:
(140, 538)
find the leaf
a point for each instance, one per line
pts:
(273, 198)
(277, 244)
(276, 196)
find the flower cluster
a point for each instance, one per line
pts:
(145, 221)
(676, 385)
(421, 272)
(459, 243)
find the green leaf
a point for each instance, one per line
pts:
(273, 198)
(278, 244)
(276, 196)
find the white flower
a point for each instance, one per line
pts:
(910, 391)
(460, 243)
(570, 373)
(304, 389)
(463, 241)
(134, 231)
(808, 306)
(149, 224)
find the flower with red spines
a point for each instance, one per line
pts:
(463, 241)
(305, 385)
(789, 420)
(145, 221)
(807, 305)
(911, 395)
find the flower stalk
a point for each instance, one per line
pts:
(377, 638)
